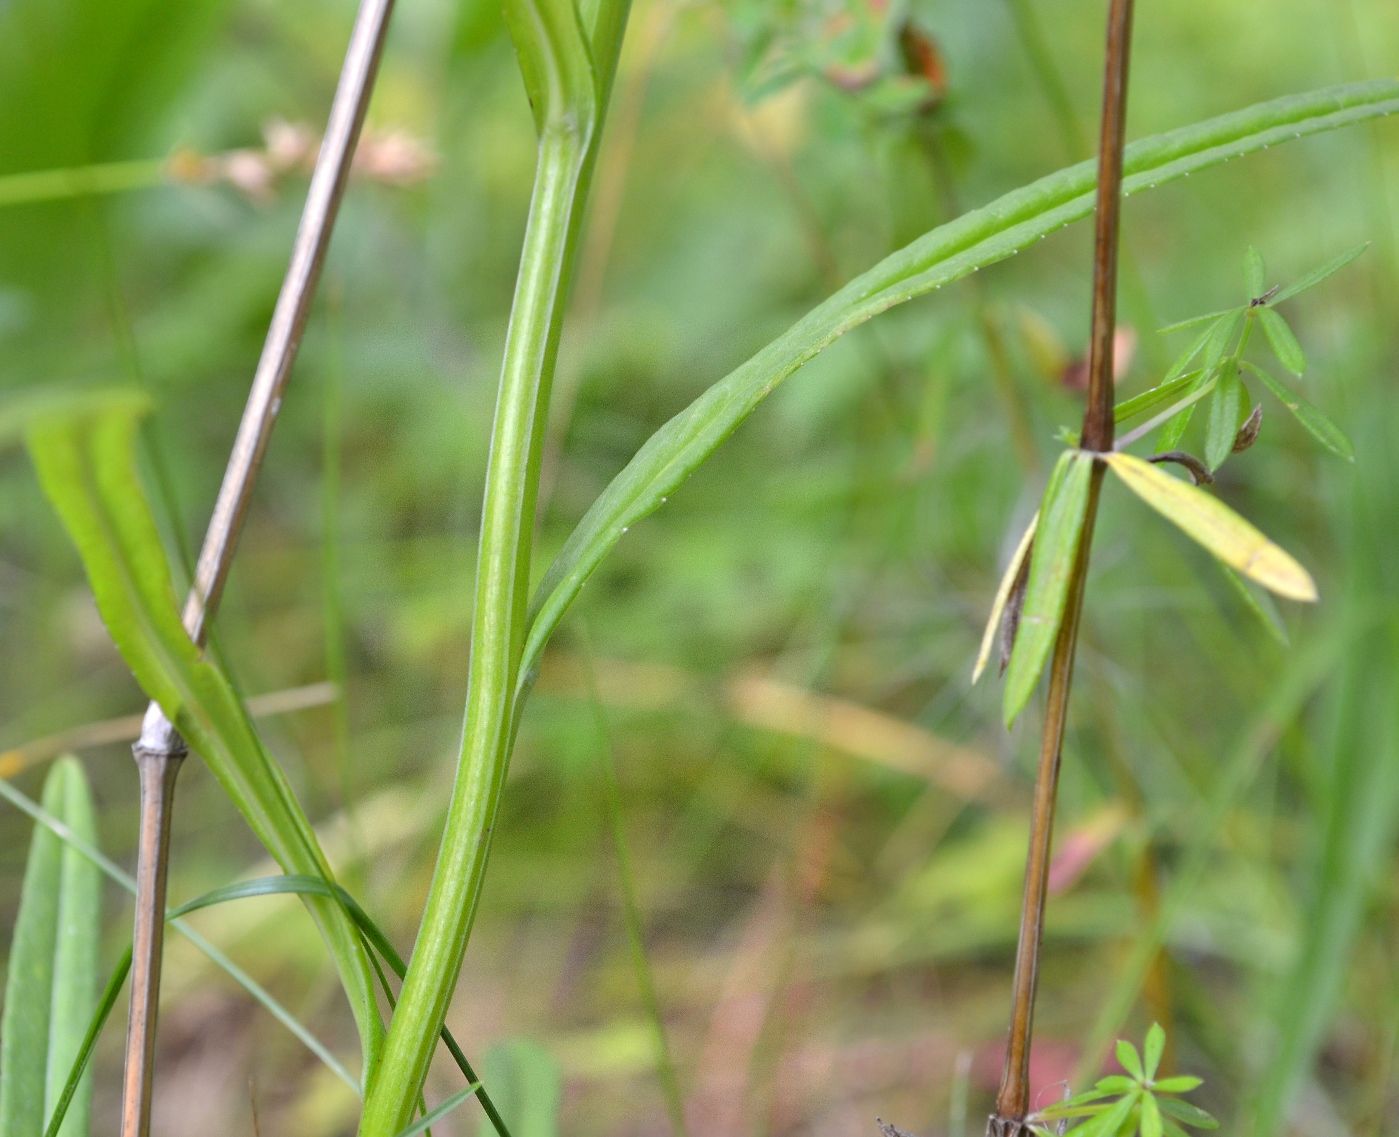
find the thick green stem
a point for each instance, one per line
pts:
(497, 635)
(569, 113)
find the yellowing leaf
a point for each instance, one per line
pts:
(998, 605)
(1217, 527)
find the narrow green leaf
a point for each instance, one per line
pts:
(1318, 424)
(1151, 1117)
(948, 253)
(86, 464)
(1254, 273)
(1174, 429)
(1189, 1114)
(998, 605)
(1281, 340)
(1180, 1084)
(1215, 526)
(1191, 321)
(1226, 411)
(51, 987)
(1157, 396)
(1107, 1123)
(1195, 347)
(1129, 1059)
(1051, 568)
(1222, 334)
(1316, 276)
(1152, 1049)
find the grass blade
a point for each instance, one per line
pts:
(53, 967)
(1215, 526)
(1051, 567)
(942, 256)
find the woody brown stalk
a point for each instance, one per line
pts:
(1013, 1099)
(160, 749)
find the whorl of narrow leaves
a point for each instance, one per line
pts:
(1051, 571)
(1215, 526)
(51, 987)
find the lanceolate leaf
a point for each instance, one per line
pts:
(1226, 412)
(1214, 525)
(1282, 341)
(1316, 276)
(1051, 568)
(946, 254)
(1254, 272)
(86, 464)
(1313, 418)
(51, 987)
(998, 605)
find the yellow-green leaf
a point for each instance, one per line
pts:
(998, 605)
(1051, 568)
(1215, 526)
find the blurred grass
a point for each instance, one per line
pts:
(829, 926)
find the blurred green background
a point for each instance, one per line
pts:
(825, 820)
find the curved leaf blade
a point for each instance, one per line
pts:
(51, 987)
(1317, 275)
(1051, 569)
(86, 464)
(948, 253)
(1214, 525)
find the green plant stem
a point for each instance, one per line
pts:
(1013, 1098)
(82, 181)
(497, 635)
(569, 129)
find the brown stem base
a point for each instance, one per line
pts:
(997, 1126)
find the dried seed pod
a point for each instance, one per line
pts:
(1248, 433)
(1199, 472)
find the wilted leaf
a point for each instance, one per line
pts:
(1051, 568)
(998, 605)
(1215, 526)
